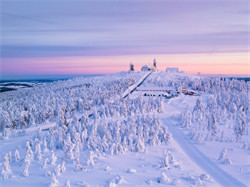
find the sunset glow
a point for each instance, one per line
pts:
(86, 37)
(230, 63)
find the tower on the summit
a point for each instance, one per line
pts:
(154, 62)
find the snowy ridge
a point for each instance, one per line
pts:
(90, 135)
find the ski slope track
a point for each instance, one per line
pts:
(200, 159)
(132, 88)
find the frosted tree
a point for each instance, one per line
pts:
(45, 148)
(240, 124)
(10, 156)
(171, 158)
(90, 161)
(164, 179)
(79, 105)
(95, 114)
(6, 134)
(26, 170)
(17, 156)
(68, 183)
(140, 144)
(45, 163)
(212, 124)
(165, 162)
(58, 170)
(245, 145)
(223, 155)
(53, 158)
(32, 121)
(77, 150)
(62, 117)
(198, 106)
(54, 182)
(222, 136)
(161, 105)
(69, 147)
(63, 168)
(39, 134)
(125, 144)
(29, 153)
(6, 165)
(38, 154)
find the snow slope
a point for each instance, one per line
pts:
(200, 159)
(136, 141)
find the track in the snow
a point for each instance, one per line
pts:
(200, 159)
(137, 85)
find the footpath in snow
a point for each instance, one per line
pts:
(200, 159)
(136, 85)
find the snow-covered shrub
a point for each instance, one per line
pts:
(68, 183)
(164, 179)
(90, 161)
(38, 154)
(63, 168)
(17, 156)
(165, 163)
(224, 158)
(6, 170)
(223, 155)
(131, 170)
(29, 153)
(53, 158)
(58, 170)
(45, 163)
(26, 170)
(245, 145)
(54, 182)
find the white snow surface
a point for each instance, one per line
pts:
(115, 141)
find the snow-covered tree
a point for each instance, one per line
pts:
(68, 183)
(53, 158)
(26, 170)
(90, 161)
(223, 155)
(6, 170)
(58, 170)
(63, 168)
(45, 148)
(17, 156)
(38, 154)
(165, 162)
(240, 124)
(54, 182)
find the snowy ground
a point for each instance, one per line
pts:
(128, 169)
(239, 169)
(190, 163)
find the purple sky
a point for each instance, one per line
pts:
(38, 29)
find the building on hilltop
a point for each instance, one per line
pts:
(154, 63)
(171, 70)
(131, 67)
(149, 67)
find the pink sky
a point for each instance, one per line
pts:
(227, 63)
(79, 37)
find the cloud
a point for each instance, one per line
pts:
(45, 28)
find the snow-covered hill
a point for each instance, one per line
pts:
(85, 132)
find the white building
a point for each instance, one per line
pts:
(149, 67)
(131, 67)
(176, 70)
